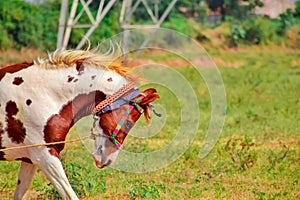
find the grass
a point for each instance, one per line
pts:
(256, 157)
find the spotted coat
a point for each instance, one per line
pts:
(39, 105)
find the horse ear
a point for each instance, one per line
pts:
(150, 96)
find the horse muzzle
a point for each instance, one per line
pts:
(100, 164)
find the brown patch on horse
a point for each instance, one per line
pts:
(14, 68)
(70, 78)
(24, 159)
(18, 81)
(28, 102)
(1, 133)
(56, 130)
(108, 121)
(79, 68)
(15, 129)
(58, 125)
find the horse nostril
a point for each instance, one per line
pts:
(99, 165)
(108, 163)
(99, 149)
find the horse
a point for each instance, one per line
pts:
(41, 100)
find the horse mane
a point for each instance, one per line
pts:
(111, 60)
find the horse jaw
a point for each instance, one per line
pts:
(106, 152)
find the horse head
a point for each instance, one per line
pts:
(115, 121)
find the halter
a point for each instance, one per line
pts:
(123, 90)
(115, 101)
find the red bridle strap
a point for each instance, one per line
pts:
(124, 118)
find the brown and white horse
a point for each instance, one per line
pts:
(40, 101)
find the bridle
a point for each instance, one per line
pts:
(124, 95)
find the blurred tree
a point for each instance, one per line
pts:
(28, 24)
(194, 8)
(297, 9)
(217, 5)
(235, 8)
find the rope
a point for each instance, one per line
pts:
(126, 88)
(44, 144)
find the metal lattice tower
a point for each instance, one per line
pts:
(104, 6)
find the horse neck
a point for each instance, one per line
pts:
(83, 90)
(66, 93)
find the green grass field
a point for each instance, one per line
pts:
(256, 157)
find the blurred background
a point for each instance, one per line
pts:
(256, 46)
(218, 23)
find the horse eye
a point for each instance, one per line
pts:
(128, 124)
(111, 140)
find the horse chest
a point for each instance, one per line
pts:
(25, 107)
